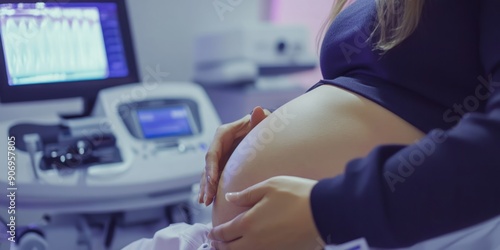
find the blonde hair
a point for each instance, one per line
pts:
(396, 21)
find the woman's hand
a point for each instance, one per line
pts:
(279, 217)
(227, 137)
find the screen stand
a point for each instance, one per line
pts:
(88, 107)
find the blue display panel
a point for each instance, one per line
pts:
(170, 121)
(50, 42)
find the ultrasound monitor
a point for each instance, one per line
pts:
(52, 49)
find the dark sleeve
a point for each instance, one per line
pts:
(400, 195)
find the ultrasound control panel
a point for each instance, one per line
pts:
(80, 152)
(63, 149)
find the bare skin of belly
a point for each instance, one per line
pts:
(313, 136)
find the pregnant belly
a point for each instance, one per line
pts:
(313, 136)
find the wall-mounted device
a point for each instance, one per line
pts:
(246, 53)
(249, 65)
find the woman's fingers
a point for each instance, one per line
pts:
(216, 154)
(229, 231)
(258, 114)
(211, 174)
(203, 183)
(212, 159)
(210, 188)
(226, 139)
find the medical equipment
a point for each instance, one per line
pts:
(61, 50)
(122, 170)
(249, 65)
(246, 53)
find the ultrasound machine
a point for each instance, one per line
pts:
(125, 165)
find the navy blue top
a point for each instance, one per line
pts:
(399, 195)
(434, 69)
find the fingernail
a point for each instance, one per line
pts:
(209, 179)
(231, 196)
(205, 199)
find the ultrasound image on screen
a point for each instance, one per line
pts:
(44, 43)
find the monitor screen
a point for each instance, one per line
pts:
(58, 50)
(72, 42)
(169, 121)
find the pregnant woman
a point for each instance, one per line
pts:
(393, 71)
(385, 87)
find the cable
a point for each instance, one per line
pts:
(110, 232)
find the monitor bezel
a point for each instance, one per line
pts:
(87, 89)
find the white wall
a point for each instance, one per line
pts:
(164, 30)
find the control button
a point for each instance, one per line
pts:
(69, 157)
(62, 159)
(181, 148)
(281, 47)
(82, 147)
